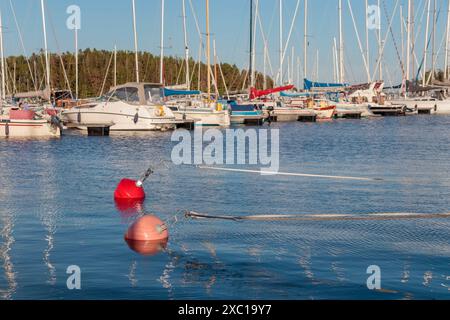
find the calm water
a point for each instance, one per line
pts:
(56, 210)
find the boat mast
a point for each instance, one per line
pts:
(367, 38)
(447, 43)
(208, 50)
(76, 61)
(216, 73)
(305, 43)
(3, 96)
(341, 45)
(380, 45)
(186, 48)
(425, 50)
(408, 44)
(135, 42)
(115, 66)
(281, 42)
(433, 55)
(161, 64)
(251, 46)
(47, 62)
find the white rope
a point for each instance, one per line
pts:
(291, 174)
(321, 217)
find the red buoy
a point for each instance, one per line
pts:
(129, 189)
(147, 228)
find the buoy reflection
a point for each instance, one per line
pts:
(147, 248)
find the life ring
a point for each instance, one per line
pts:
(160, 112)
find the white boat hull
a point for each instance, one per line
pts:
(205, 118)
(123, 116)
(439, 107)
(28, 128)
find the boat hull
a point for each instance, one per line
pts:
(123, 117)
(205, 118)
(28, 128)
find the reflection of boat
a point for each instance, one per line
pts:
(130, 107)
(27, 123)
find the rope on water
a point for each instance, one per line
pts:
(274, 173)
(320, 217)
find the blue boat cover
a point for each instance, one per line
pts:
(309, 85)
(170, 92)
(294, 95)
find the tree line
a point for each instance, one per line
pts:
(96, 72)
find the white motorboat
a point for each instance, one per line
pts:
(427, 105)
(129, 107)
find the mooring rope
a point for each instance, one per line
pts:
(320, 217)
(305, 175)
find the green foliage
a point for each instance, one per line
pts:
(96, 65)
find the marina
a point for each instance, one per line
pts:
(184, 175)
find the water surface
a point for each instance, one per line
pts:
(56, 210)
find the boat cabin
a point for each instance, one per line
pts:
(137, 93)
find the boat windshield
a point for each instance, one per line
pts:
(153, 94)
(127, 94)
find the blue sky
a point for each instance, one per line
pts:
(107, 23)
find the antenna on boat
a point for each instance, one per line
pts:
(47, 59)
(135, 42)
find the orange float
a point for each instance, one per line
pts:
(147, 228)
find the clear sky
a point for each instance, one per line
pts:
(106, 23)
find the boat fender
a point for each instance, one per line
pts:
(136, 118)
(56, 121)
(7, 129)
(435, 108)
(79, 117)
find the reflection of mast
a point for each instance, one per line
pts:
(8, 267)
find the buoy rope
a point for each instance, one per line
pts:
(320, 217)
(274, 173)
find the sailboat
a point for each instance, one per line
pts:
(19, 121)
(193, 105)
(134, 106)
